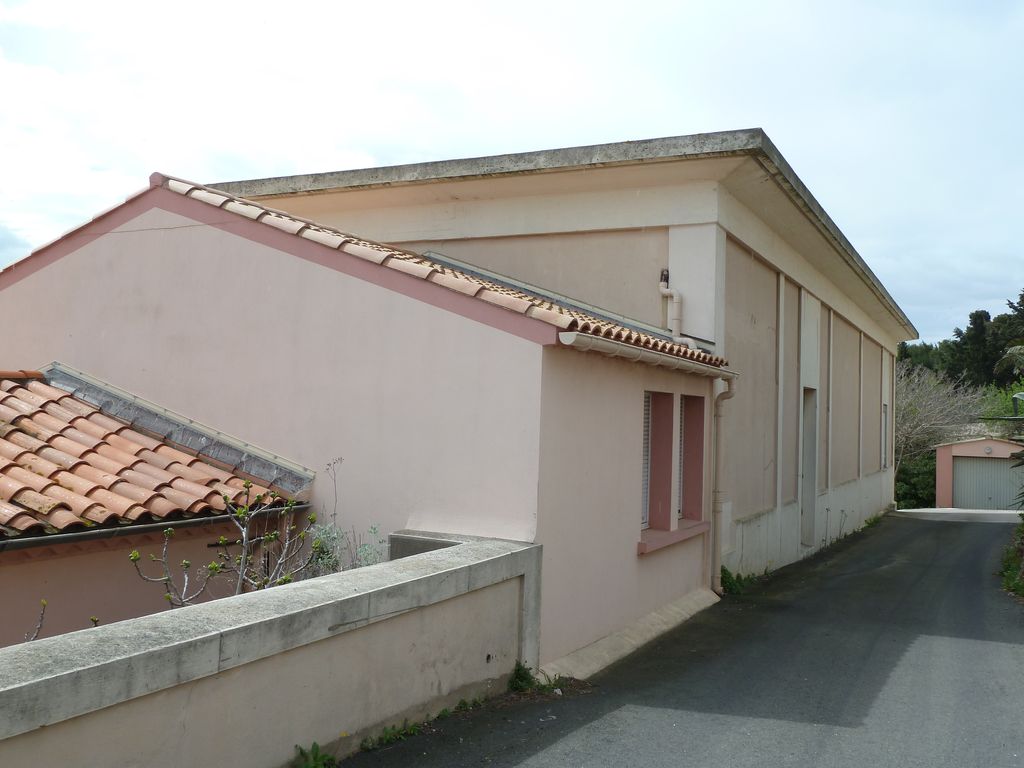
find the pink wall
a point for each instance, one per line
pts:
(594, 582)
(93, 578)
(309, 360)
(987, 447)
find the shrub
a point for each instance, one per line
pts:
(735, 583)
(1012, 571)
(915, 482)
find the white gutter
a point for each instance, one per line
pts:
(586, 342)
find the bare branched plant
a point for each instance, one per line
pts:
(929, 409)
(30, 636)
(271, 549)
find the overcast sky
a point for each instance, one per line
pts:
(902, 118)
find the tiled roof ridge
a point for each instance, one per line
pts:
(66, 466)
(565, 318)
(231, 453)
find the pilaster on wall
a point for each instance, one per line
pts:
(810, 341)
(781, 385)
(721, 240)
(696, 264)
(860, 409)
(831, 379)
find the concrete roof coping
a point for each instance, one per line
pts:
(694, 146)
(750, 142)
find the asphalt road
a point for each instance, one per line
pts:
(896, 647)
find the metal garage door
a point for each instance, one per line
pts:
(980, 483)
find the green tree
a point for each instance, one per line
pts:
(921, 353)
(1012, 362)
(980, 354)
(974, 352)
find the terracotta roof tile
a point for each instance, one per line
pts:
(12, 376)
(65, 466)
(521, 301)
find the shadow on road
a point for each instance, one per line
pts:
(815, 644)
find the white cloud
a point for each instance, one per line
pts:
(901, 119)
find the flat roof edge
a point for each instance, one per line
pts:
(694, 146)
(749, 142)
(777, 167)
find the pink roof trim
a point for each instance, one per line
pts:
(514, 310)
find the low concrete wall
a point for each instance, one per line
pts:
(246, 678)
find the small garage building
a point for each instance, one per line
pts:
(977, 474)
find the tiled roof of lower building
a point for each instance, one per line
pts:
(67, 466)
(563, 316)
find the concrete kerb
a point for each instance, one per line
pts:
(591, 659)
(961, 515)
(54, 679)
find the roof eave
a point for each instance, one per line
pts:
(586, 342)
(781, 172)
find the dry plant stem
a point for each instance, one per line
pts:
(39, 624)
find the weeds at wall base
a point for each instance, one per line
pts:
(313, 758)
(737, 583)
(1012, 570)
(392, 734)
(872, 521)
(523, 680)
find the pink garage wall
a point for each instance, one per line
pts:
(93, 578)
(999, 449)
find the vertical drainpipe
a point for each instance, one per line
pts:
(717, 494)
(675, 325)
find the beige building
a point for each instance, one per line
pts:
(764, 278)
(535, 376)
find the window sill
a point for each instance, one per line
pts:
(652, 540)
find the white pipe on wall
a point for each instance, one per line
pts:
(675, 312)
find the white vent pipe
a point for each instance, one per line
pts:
(675, 312)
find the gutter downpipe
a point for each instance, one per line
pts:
(611, 348)
(717, 494)
(675, 312)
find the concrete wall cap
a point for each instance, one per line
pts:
(50, 680)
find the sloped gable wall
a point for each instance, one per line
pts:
(436, 415)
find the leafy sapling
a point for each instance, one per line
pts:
(270, 550)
